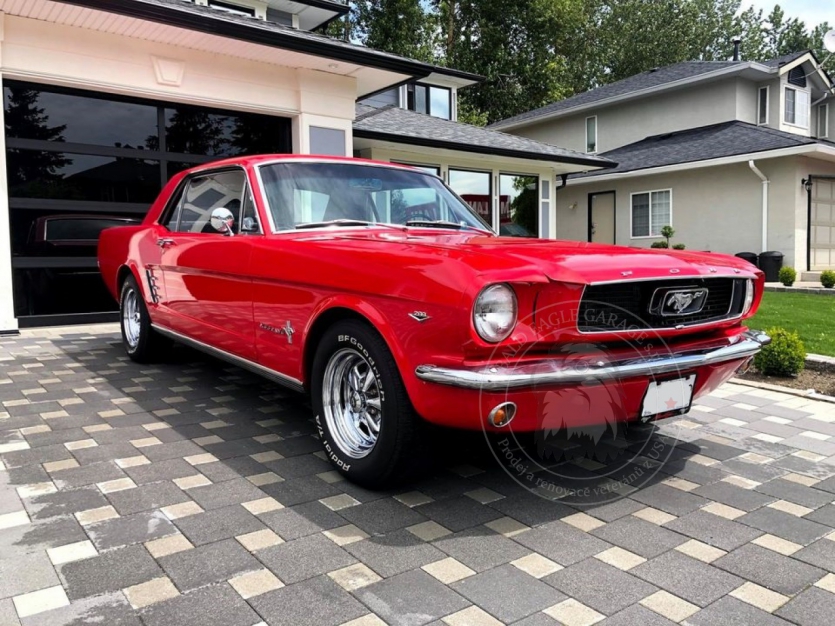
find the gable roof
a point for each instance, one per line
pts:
(192, 16)
(398, 125)
(701, 144)
(653, 80)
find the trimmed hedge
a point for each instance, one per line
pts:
(784, 356)
(787, 276)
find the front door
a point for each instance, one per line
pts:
(602, 217)
(207, 274)
(822, 254)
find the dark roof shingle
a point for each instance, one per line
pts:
(400, 125)
(700, 144)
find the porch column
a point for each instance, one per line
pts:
(8, 323)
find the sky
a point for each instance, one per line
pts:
(813, 12)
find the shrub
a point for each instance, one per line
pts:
(787, 276)
(659, 244)
(679, 246)
(828, 278)
(784, 356)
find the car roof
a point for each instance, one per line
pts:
(260, 159)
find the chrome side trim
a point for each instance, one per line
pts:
(552, 372)
(256, 368)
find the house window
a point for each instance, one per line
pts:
(475, 189)
(762, 106)
(431, 100)
(651, 211)
(228, 7)
(823, 120)
(797, 107)
(591, 134)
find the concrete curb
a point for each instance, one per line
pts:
(809, 393)
(820, 291)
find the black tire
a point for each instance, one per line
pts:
(398, 449)
(149, 346)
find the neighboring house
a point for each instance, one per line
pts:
(105, 99)
(722, 151)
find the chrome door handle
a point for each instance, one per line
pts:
(162, 243)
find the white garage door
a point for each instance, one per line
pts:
(823, 224)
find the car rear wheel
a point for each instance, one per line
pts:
(365, 420)
(142, 343)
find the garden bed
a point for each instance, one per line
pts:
(820, 377)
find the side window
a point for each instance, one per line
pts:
(171, 215)
(204, 194)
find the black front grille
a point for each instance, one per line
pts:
(624, 306)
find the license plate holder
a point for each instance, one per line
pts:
(668, 396)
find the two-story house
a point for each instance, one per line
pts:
(104, 100)
(734, 155)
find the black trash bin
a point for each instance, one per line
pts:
(748, 256)
(770, 263)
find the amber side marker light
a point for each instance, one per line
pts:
(502, 414)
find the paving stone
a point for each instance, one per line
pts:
(670, 500)
(131, 529)
(305, 558)
(636, 614)
(771, 570)
(810, 608)
(732, 611)
(218, 605)
(39, 535)
(315, 602)
(412, 598)
(600, 586)
(382, 516)
(562, 543)
(223, 494)
(792, 492)
(208, 564)
(532, 510)
(26, 573)
(396, 552)
(481, 549)
(458, 513)
(713, 530)
(731, 495)
(687, 578)
(615, 510)
(508, 593)
(639, 536)
(302, 520)
(820, 554)
(824, 515)
(219, 524)
(111, 609)
(108, 572)
(784, 525)
(160, 470)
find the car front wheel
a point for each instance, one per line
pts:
(142, 343)
(365, 420)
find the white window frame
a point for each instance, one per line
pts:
(823, 111)
(631, 210)
(767, 89)
(596, 145)
(797, 90)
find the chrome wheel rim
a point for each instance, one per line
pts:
(352, 402)
(131, 318)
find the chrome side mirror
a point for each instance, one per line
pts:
(223, 221)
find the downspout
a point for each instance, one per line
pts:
(765, 180)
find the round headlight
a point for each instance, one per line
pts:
(495, 312)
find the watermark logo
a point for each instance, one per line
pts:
(584, 440)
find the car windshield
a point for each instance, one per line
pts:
(314, 195)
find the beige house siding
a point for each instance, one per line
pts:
(622, 124)
(715, 208)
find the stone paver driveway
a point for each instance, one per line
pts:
(193, 493)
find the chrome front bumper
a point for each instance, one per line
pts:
(556, 372)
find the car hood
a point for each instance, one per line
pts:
(564, 261)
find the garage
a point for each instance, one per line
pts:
(80, 161)
(822, 223)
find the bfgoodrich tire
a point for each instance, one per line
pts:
(366, 422)
(142, 343)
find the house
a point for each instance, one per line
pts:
(104, 100)
(735, 155)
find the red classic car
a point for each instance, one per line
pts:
(377, 290)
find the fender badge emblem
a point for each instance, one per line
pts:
(420, 316)
(675, 271)
(286, 330)
(626, 273)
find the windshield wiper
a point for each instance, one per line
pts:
(443, 224)
(342, 222)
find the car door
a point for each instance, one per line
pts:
(206, 273)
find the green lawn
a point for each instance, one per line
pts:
(812, 316)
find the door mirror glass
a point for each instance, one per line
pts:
(249, 225)
(223, 221)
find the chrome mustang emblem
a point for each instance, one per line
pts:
(684, 302)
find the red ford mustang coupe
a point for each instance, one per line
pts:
(377, 290)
